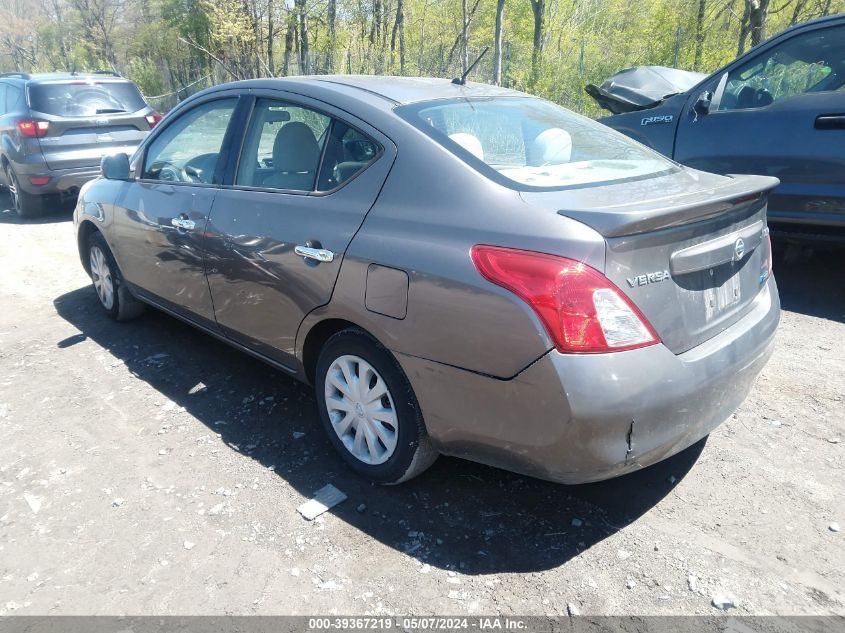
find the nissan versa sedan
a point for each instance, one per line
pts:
(457, 269)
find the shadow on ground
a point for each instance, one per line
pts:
(457, 515)
(57, 211)
(811, 279)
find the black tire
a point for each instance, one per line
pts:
(414, 452)
(26, 205)
(123, 306)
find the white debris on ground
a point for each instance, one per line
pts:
(325, 498)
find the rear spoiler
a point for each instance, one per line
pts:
(643, 217)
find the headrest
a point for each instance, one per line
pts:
(470, 143)
(551, 147)
(295, 148)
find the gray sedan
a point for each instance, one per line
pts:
(457, 269)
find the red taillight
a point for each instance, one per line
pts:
(153, 118)
(32, 128)
(581, 309)
(39, 180)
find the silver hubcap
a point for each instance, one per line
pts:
(361, 409)
(101, 274)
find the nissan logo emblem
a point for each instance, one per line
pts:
(739, 249)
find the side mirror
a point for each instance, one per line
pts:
(703, 103)
(115, 167)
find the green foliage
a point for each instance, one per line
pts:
(179, 46)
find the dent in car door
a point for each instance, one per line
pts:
(160, 218)
(772, 120)
(261, 285)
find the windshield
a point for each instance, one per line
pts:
(532, 143)
(85, 98)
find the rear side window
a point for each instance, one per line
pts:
(13, 97)
(528, 143)
(85, 98)
(294, 148)
(283, 147)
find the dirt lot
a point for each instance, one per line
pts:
(148, 469)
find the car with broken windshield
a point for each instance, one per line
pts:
(456, 269)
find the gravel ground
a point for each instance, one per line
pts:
(148, 469)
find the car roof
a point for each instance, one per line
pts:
(403, 90)
(105, 75)
(391, 89)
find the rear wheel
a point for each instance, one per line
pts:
(113, 294)
(369, 409)
(26, 205)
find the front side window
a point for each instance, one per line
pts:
(187, 150)
(526, 142)
(802, 64)
(85, 97)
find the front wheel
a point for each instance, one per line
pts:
(113, 294)
(369, 409)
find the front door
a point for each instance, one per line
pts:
(305, 180)
(782, 113)
(161, 216)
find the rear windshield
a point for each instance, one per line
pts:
(85, 98)
(528, 143)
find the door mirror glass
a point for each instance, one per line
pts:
(115, 167)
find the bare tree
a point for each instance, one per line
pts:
(271, 63)
(753, 23)
(304, 61)
(538, 8)
(464, 37)
(497, 49)
(332, 35)
(699, 34)
(399, 27)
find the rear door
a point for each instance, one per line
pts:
(306, 177)
(88, 118)
(782, 114)
(160, 217)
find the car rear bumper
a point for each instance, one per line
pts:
(580, 418)
(65, 181)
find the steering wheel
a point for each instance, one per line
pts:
(174, 173)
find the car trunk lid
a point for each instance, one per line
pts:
(693, 259)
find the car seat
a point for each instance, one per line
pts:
(296, 157)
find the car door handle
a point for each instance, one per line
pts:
(830, 122)
(318, 254)
(181, 223)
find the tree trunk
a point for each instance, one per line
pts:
(398, 28)
(757, 20)
(271, 64)
(497, 50)
(290, 38)
(332, 18)
(304, 61)
(538, 7)
(699, 34)
(464, 38)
